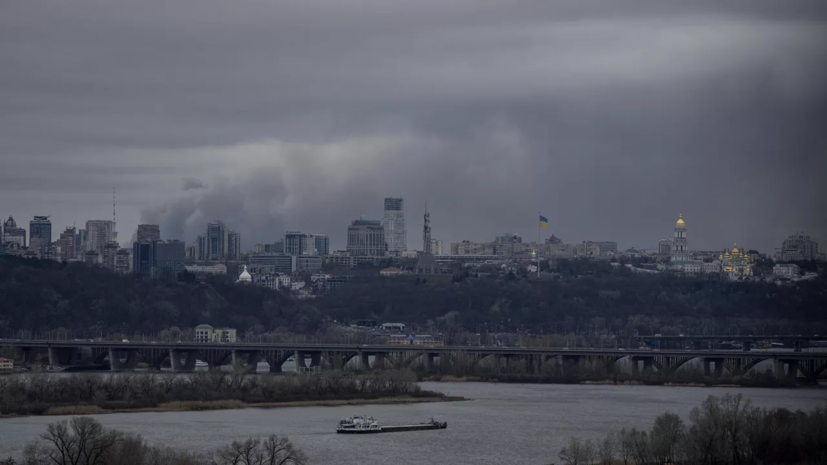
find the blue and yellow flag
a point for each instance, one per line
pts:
(543, 221)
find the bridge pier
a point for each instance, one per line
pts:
(175, 360)
(719, 367)
(64, 356)
(364, 360)
(130, 359)
(791, 372)
(648, 363)
(245, 360)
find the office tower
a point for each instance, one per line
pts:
(167, 259)
(394, 223)
(67, 244)
(233, 246)
(217, 242)
(298, 243)
(322, 244)
(11, 233)
(80, 243)
(200, 247)
(40, 234)
(142, 258)
(148, 233)
(98, 234)
(366, 238)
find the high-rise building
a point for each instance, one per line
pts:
(67, 244)
(233, 245)
(322, 244)
(148, 233)
(80, 243)
(680, 245)
(123, 261)
(217, 242)
(110, 252)
(98, 234)
(436, 246)
(40, 235)
(142, 258)
(299, 243)
(200, 247)
(11, 233)
(798, 247)
(394, 223)
(366, 238)
(167, 259)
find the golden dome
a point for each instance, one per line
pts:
(680, 221)
(735, 249)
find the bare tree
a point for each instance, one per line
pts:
(577, 452)
(606, 450)
(626, 446)
(280, 451)
(253, 451)
(735, 411)
(81, 441)
(666, 434)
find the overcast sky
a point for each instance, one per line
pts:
(609, 117)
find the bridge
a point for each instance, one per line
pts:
(182, 356)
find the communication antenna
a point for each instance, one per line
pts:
(113, 205)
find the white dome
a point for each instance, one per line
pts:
(245, 277)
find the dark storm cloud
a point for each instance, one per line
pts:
(610, 117)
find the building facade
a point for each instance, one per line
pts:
(233, 245)
(66, 244)
(142, 258)
(11, 233)
(436, 246)
(98, 234)
(218, 268)
(393, 221)
(217, 241)
(123, 261)
(281, 263)
(786, 270)
(40, 235)
(665, 247)
(299, 243)
(167, 259)
(322, 243)
(366, 238)
(148, 233)
(798, 247)
(680, 244)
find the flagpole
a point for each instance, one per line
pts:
(538, 243)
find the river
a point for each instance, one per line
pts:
(501, 424)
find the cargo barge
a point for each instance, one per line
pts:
(367, 425)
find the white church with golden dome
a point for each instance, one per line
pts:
(736, 263)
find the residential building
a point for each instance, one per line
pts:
(346, 260)
(40, 234)
(665, 247)
(712, 267)
(392, 271)
(366, 238)
(798, 247)
(233, 245)
(110, 252)
(393, 223)
(167, 259)
(98, 234)
(281, 263)
(67, 243)
(80, 242)
(299, 243)
(393, 327)
(92, 257)
(206, 333)
(123, 261)
(786, 270)
(148, 233)
(436, 246)
(680, 244)
(473, 248)
(605, 249)
(11, 233)
(218, 268)
(6, 364)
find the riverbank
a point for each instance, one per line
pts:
(734, 382)
(194, 406)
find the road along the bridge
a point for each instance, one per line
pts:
(183, 356)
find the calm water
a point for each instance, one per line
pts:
(503, 424)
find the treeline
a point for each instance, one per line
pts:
(43, 295)
(42, 393)
(726, 430)
(585, 296)
(84, 441)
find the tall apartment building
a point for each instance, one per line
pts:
(436, 246)
(799, 247)
(80, 243)
(123, 261)
(200, 251)
(108, 258)
(67, 243)
(167, 259)
(299, 243)
(98, 234)
(148, 233)
(233, 245)
(217, 241)
(366, 238)
(40, 235)
(393, 222)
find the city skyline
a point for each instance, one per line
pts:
(715, 111)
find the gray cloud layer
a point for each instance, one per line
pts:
(609, 117)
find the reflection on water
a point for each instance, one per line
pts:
(502, 424)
